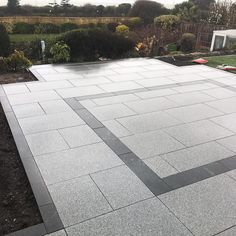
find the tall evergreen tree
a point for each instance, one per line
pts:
(13, 5)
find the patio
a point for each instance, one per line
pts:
(128, 147)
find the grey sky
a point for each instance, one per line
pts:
(96, 2)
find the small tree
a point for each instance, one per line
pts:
(167, 22)
(188, 42)
(4, 42)
(13, 5)
(60, 52)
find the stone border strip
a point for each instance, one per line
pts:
(51, 219)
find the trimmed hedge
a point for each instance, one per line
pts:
(90, 44)
(4, 41)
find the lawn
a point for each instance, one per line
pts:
(219, 60)
(29, 37)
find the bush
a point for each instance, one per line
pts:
(46, 28)
(112, 26)
(68, 27)
(91, 44)
(133, 23)
(4, 41)
(188, 42)
(9, 27)
(17, 61)
(122, 29)
(3, 65)
(60, 52)
(167, 22)
(23, 28)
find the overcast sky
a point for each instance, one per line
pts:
(96, 2)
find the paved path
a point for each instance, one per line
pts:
(133, 147)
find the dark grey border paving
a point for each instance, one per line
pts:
(51, 219)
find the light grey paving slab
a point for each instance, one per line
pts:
(79, 91)
(55, 106)
(186, 78)
(90, 81)
(151, 144)
(17, 99)
(148, 122)
(225, 105)
(76, 162)
(62, 76)
(41, 86)
(116, 128)
(154, 73)
(151, 105)
(88, 103)
(58, 233)
(124, 77)
(46, 71)
(121, 86)
(155, 82)
(196, 156)
(121, 186)
(198, 132)
(160, 166)
(229, 232)
(232, 174)
(129, 70)
(206, 207)
(227, 121)
(229, 142)
(227, 81)
(190, 98)
(149, 218)
(115, 99)
(193, 112)
(220, 93)
(28, 110)
(46, 142)
(215, 74)
(94, 73)
(160, 66)
(79, 136)
(15, 88)
(110, 112)
(78, 200)
(194, 87)
(50, 122)
(155, 93)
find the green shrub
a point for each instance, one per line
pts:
(133, 23)
(112, 26)
(68, 27)
(3, 65)
(23, 28)
(4, 42)
(60, 52)
(17, 61)
(91, 44)
(9, 27)
(122, 29)
(167, 22)
(46, 28)
(188, 42)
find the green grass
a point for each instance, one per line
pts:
(219, 60)
(16, 38)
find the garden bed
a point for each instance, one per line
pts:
(7, 78)
(18, 208)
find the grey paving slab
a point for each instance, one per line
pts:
(58, 233)
(46, 142)
(190, 98)
(115, 99)
(151, 105)
(220, 93)
(148, 122)
(79, 91)
(155, 93)
(229, 232)
(124, 77)
(227, 81)
(88, 103)
(149, 218)
(17, 99)
(121, 86)
(151, 144)
(78, 200)
(128, 70)
(15, 88)
(194, 87)
(42, 86)
(197, 156)
(153, 72)
(121, 186)
(198, 132)
(229, 142)
(160, 166)
(28, 110)
(215, 74)
(155, 82)
(225, 105)
(90, 81)
(55, 106)
(227, 121)
(232, 174)
(76, 162)
(110, 112)
(50, 122)
(193, 112)
(195, 205)
(79, 136)
(186, 77)
(116, 128)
